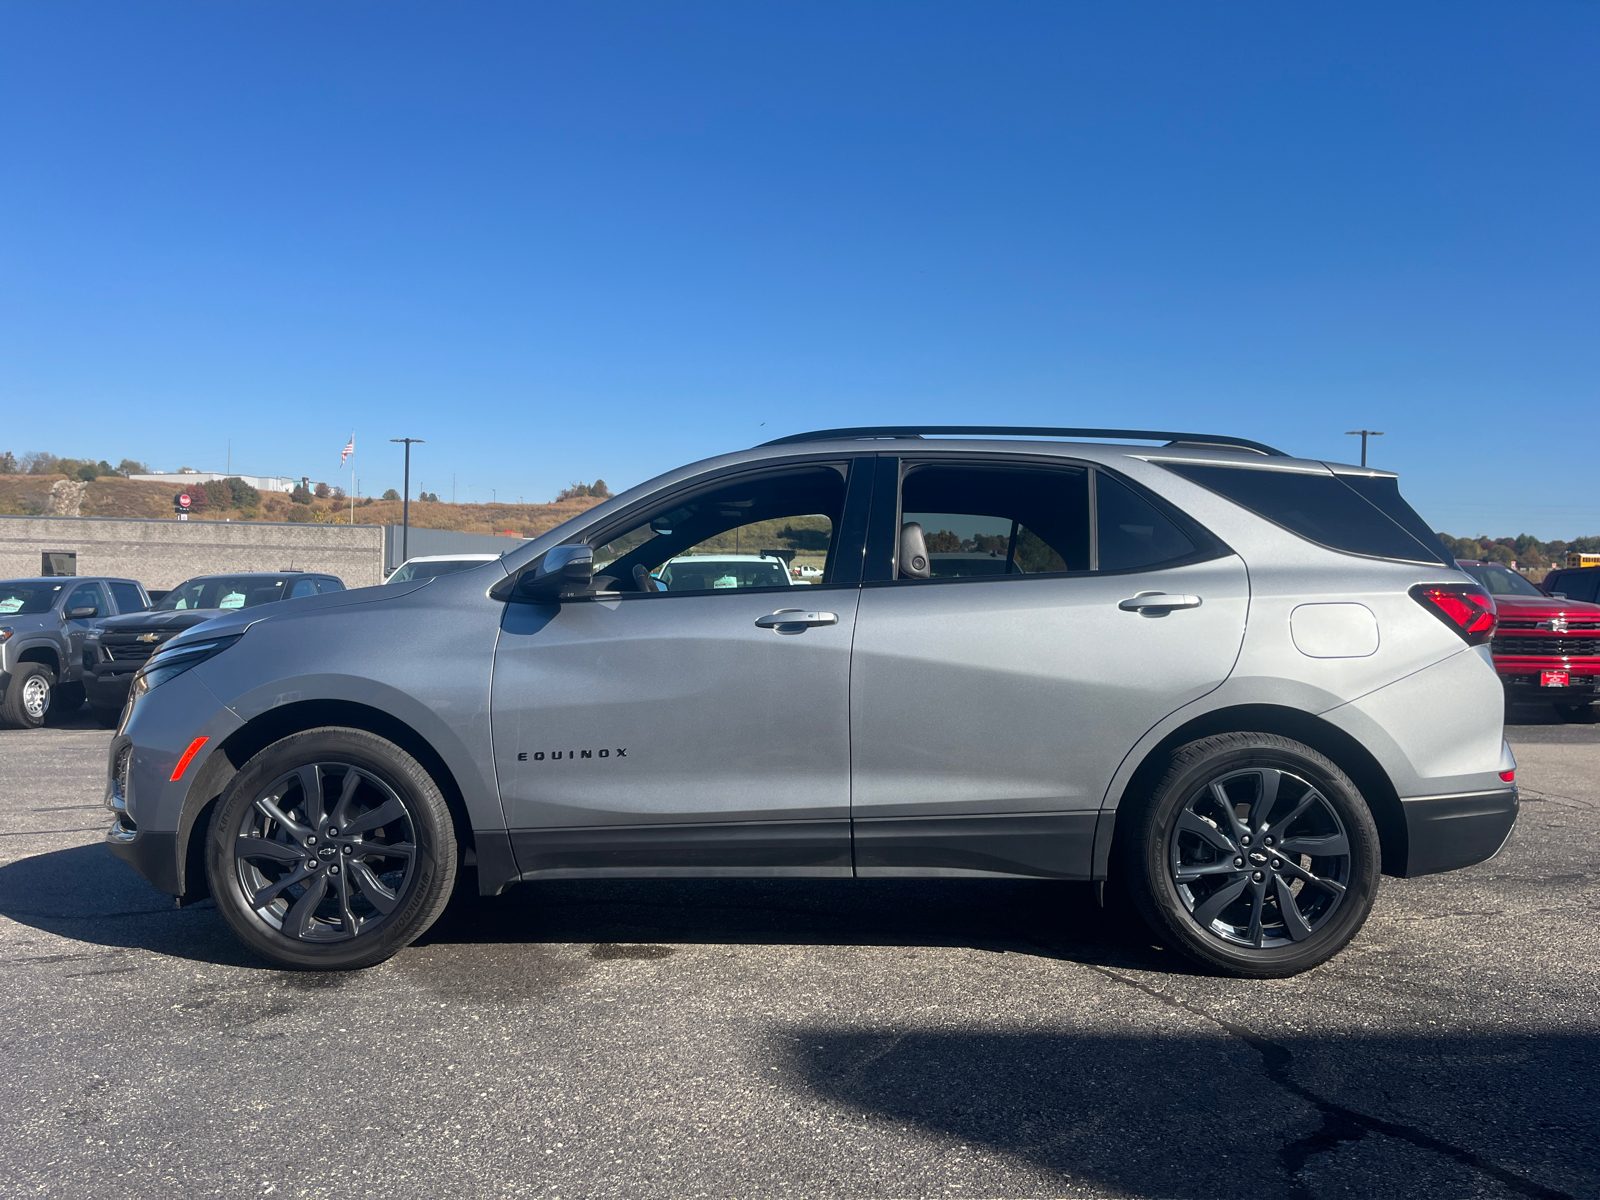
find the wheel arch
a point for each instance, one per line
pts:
(274, 725)
(1354, 759)
(42, 652)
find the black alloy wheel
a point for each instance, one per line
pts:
(331, 849)
(1259, 858)
(326, 852)
(1256, 855)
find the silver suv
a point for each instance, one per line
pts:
(1236, 685)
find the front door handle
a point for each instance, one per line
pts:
(1158, 600)
(796, 616)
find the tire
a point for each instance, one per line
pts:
(108, 718)
(1576, 714)
(28, 696)
(308, 901)
(65, 703)
(1223, 896)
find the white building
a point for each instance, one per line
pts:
(262, 483)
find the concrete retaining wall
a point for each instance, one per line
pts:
(162, 554)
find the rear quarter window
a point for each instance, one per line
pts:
(1325, 509)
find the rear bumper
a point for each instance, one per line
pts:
(1446, 832)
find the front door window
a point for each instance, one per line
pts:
(761, 532)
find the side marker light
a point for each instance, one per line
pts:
(188, 757)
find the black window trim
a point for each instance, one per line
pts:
(853, 525)
(883, 537)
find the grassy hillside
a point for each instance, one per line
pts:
(29, 495)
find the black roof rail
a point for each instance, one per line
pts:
(1213, 440)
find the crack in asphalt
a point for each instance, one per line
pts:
(1339, 1123)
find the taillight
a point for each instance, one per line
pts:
(1467, 609)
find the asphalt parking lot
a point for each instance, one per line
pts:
(755, 1039)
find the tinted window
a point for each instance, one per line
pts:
(1576, 585)
(127, 597)
(87, 595)
(329, 585)
(223, 591)
(1132, 533)
(1319, 508)
(704, 573)
(751, 533)
(1383, 493)
(1500, 581)
(981, 520)
(27, 598)
(303, 587)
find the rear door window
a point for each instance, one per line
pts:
(303, 587)
(1324, 509)
(128, 598)
(329, 585)
(980, 520)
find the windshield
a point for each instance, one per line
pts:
(427, 570)
(706, 574)
(222, 591)
(26, 597)
(1500, 581)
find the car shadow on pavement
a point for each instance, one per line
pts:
(88, 894)
(1051, 919)
(1200, 1115)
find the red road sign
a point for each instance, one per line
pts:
(183, 500)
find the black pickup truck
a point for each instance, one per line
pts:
(115, 651)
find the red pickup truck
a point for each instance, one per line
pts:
(1546, 650)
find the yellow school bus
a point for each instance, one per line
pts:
(1583, 560)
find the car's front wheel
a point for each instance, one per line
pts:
(28, 695)
(1255, 855)
(331, 850)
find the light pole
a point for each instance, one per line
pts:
(405, 501)
(1364, 435)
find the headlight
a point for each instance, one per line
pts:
(5, 633)
(176, 658)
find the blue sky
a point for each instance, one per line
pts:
(604, 239)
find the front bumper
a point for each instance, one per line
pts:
(152, 813)
(108, 688)
(1521, 679)
(1446, 832)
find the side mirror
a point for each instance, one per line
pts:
(913, 552)
(563, 571)
(82, 613)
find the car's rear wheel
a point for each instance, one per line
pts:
(28, 695)
(331, 850)
(1255, 855)
(109, 718)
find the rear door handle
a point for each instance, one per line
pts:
(796, 616)
(1159, 600)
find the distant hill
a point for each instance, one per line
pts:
(108, 496)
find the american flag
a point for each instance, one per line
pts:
(348, 450)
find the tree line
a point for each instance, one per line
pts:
(42, 462)
(1524, 550)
